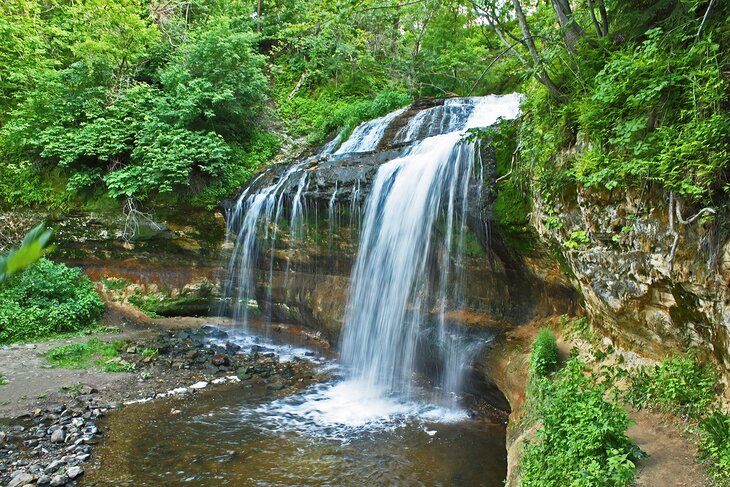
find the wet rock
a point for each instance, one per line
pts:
(213, 332)
(277, 386)
(44, 480)
(199, 385)
(221, 360)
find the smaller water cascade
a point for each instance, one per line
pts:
(368, 135)
(256, 212)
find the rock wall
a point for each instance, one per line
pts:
(638, 291)
(169, 260)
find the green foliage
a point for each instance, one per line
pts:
(93, 353)
(544, 356)
(582, 440)
(647, 104)
(45, 300)
(119, 107)
(31, 249)
(678, 385)
(715, 445)
(328, 111)
(577, 239)
(3, 380)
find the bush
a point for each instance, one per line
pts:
(677, 385)
(715, 445)
(582, 441)
(45, 300)
(544, 358)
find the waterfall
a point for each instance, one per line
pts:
(256, 212)
(389, 295)
(412, 220)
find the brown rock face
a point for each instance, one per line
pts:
(170, 260)
(635, 291)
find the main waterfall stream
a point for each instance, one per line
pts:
(388, 416)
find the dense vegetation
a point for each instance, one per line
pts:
(45, 300)
(581, 440)
(136, 100)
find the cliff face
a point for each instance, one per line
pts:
(650, 279)
(168, 259)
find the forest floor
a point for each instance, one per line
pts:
(671, 460)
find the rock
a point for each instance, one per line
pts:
(59, 480)
(58, 436)
(275, 387)
(74, 472)
(21, 479)
(53, 466)
(3, 437)
(214, 332)
(199, 385)
(44, 480)
(221, 360)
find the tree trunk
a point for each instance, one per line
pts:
(258, 15)
(572, 31)
(543, 77)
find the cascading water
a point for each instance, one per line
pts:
(406, 273)
(389, 295)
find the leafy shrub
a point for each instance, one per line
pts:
(544, 357)
(47, 299)
(677, 385)
(715, 445)
(582, 441)
(321, 113)
(104, 355)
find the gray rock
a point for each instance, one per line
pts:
(21, 479)
(44, 480)
(53, 466)
(58, 436)
(59, 480)
(3, 436)
(74, 472)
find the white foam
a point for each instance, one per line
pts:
(344, 410)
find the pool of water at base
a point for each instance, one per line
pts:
(328, 434)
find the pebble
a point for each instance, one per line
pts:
(199, 385)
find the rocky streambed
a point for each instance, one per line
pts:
(53, 443)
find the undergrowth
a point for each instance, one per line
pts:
(582, 436)
(93, 353)
(46, 300)
(678, 385)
